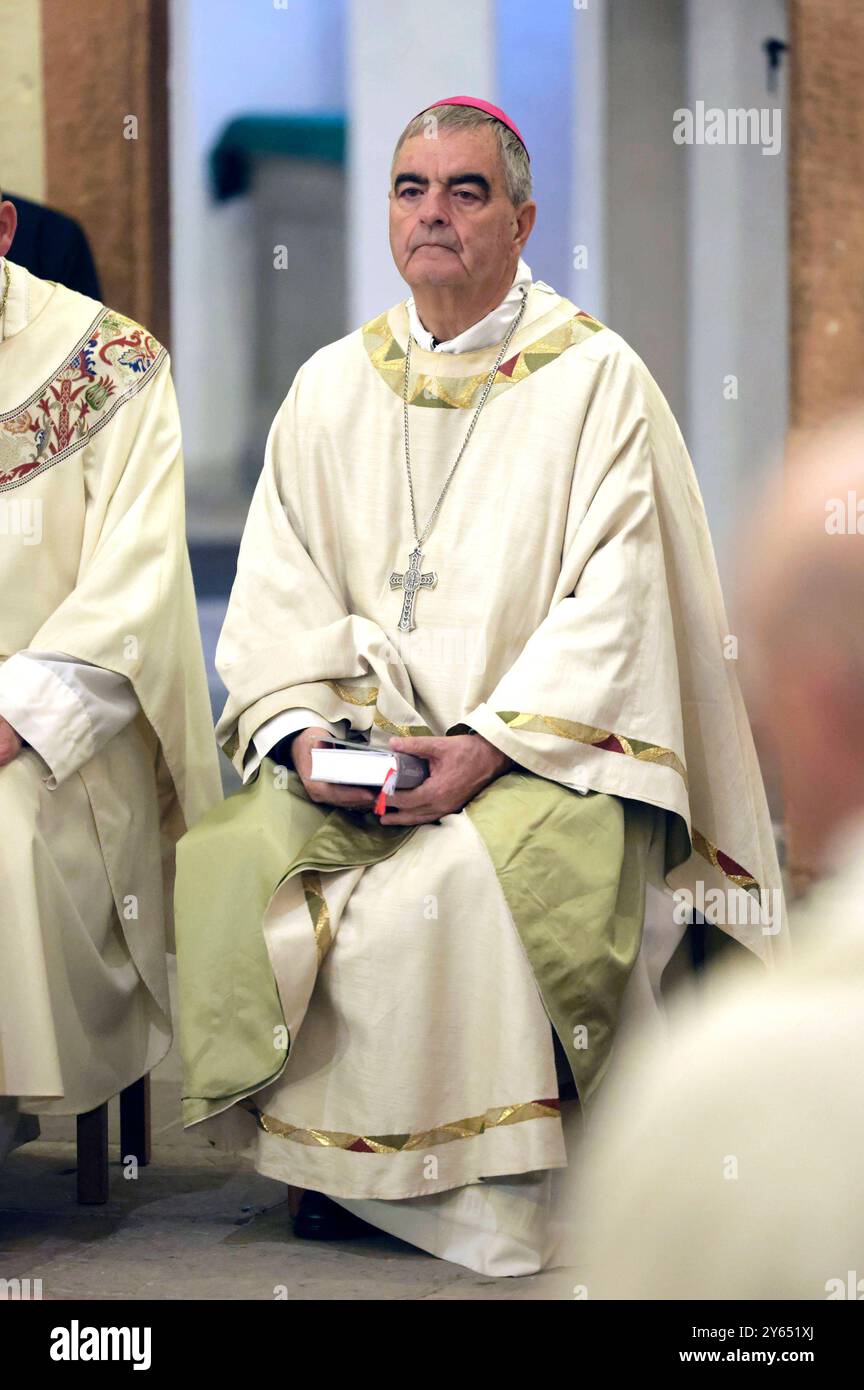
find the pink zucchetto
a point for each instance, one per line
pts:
(481, 105)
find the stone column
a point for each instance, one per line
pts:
(826, 114)
(826, 227)
(106, 142)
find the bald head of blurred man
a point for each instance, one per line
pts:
(803, 653)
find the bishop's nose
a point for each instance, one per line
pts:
(434, 211)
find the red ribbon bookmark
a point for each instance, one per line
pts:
(386, 789)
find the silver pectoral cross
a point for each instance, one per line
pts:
(411, 581)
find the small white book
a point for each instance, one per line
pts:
(344, 761)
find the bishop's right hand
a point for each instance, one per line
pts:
(338, 794)
(10, 743)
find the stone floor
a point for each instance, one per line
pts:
(192, 1226)
(195, 1225)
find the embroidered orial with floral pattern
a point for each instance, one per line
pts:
(110, 364)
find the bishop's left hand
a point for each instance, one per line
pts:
(459, 767)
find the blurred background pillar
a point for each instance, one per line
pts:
(106, 142)
(826, 223)
(826, 207)
(246, 61)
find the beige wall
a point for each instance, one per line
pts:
(22, 124)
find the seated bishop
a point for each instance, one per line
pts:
(477, 538)
(106, 753)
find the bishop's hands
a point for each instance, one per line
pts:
(10, 743)
(459, 767)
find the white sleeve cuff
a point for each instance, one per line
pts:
(279, 727)
(65, 709)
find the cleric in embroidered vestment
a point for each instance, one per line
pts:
(104, 714)
(477, 537)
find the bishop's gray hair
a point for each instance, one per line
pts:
(514, 159)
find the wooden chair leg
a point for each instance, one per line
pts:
(92, 1145)
(135, 1121)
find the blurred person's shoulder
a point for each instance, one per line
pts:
(726, 1162)
(787, 1038)
(828, 923)
(755, 1058)
(782, 1030)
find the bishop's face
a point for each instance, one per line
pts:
(451, 222)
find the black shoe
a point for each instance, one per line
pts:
(319, 1218)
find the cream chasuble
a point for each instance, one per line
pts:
(365, 1009)
(90, 447)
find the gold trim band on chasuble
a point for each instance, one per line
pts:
(643, 752)
(387, 356)
(369, 696)
(597, 738)
(470, 1128)
(313, 892)
(362, 698)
